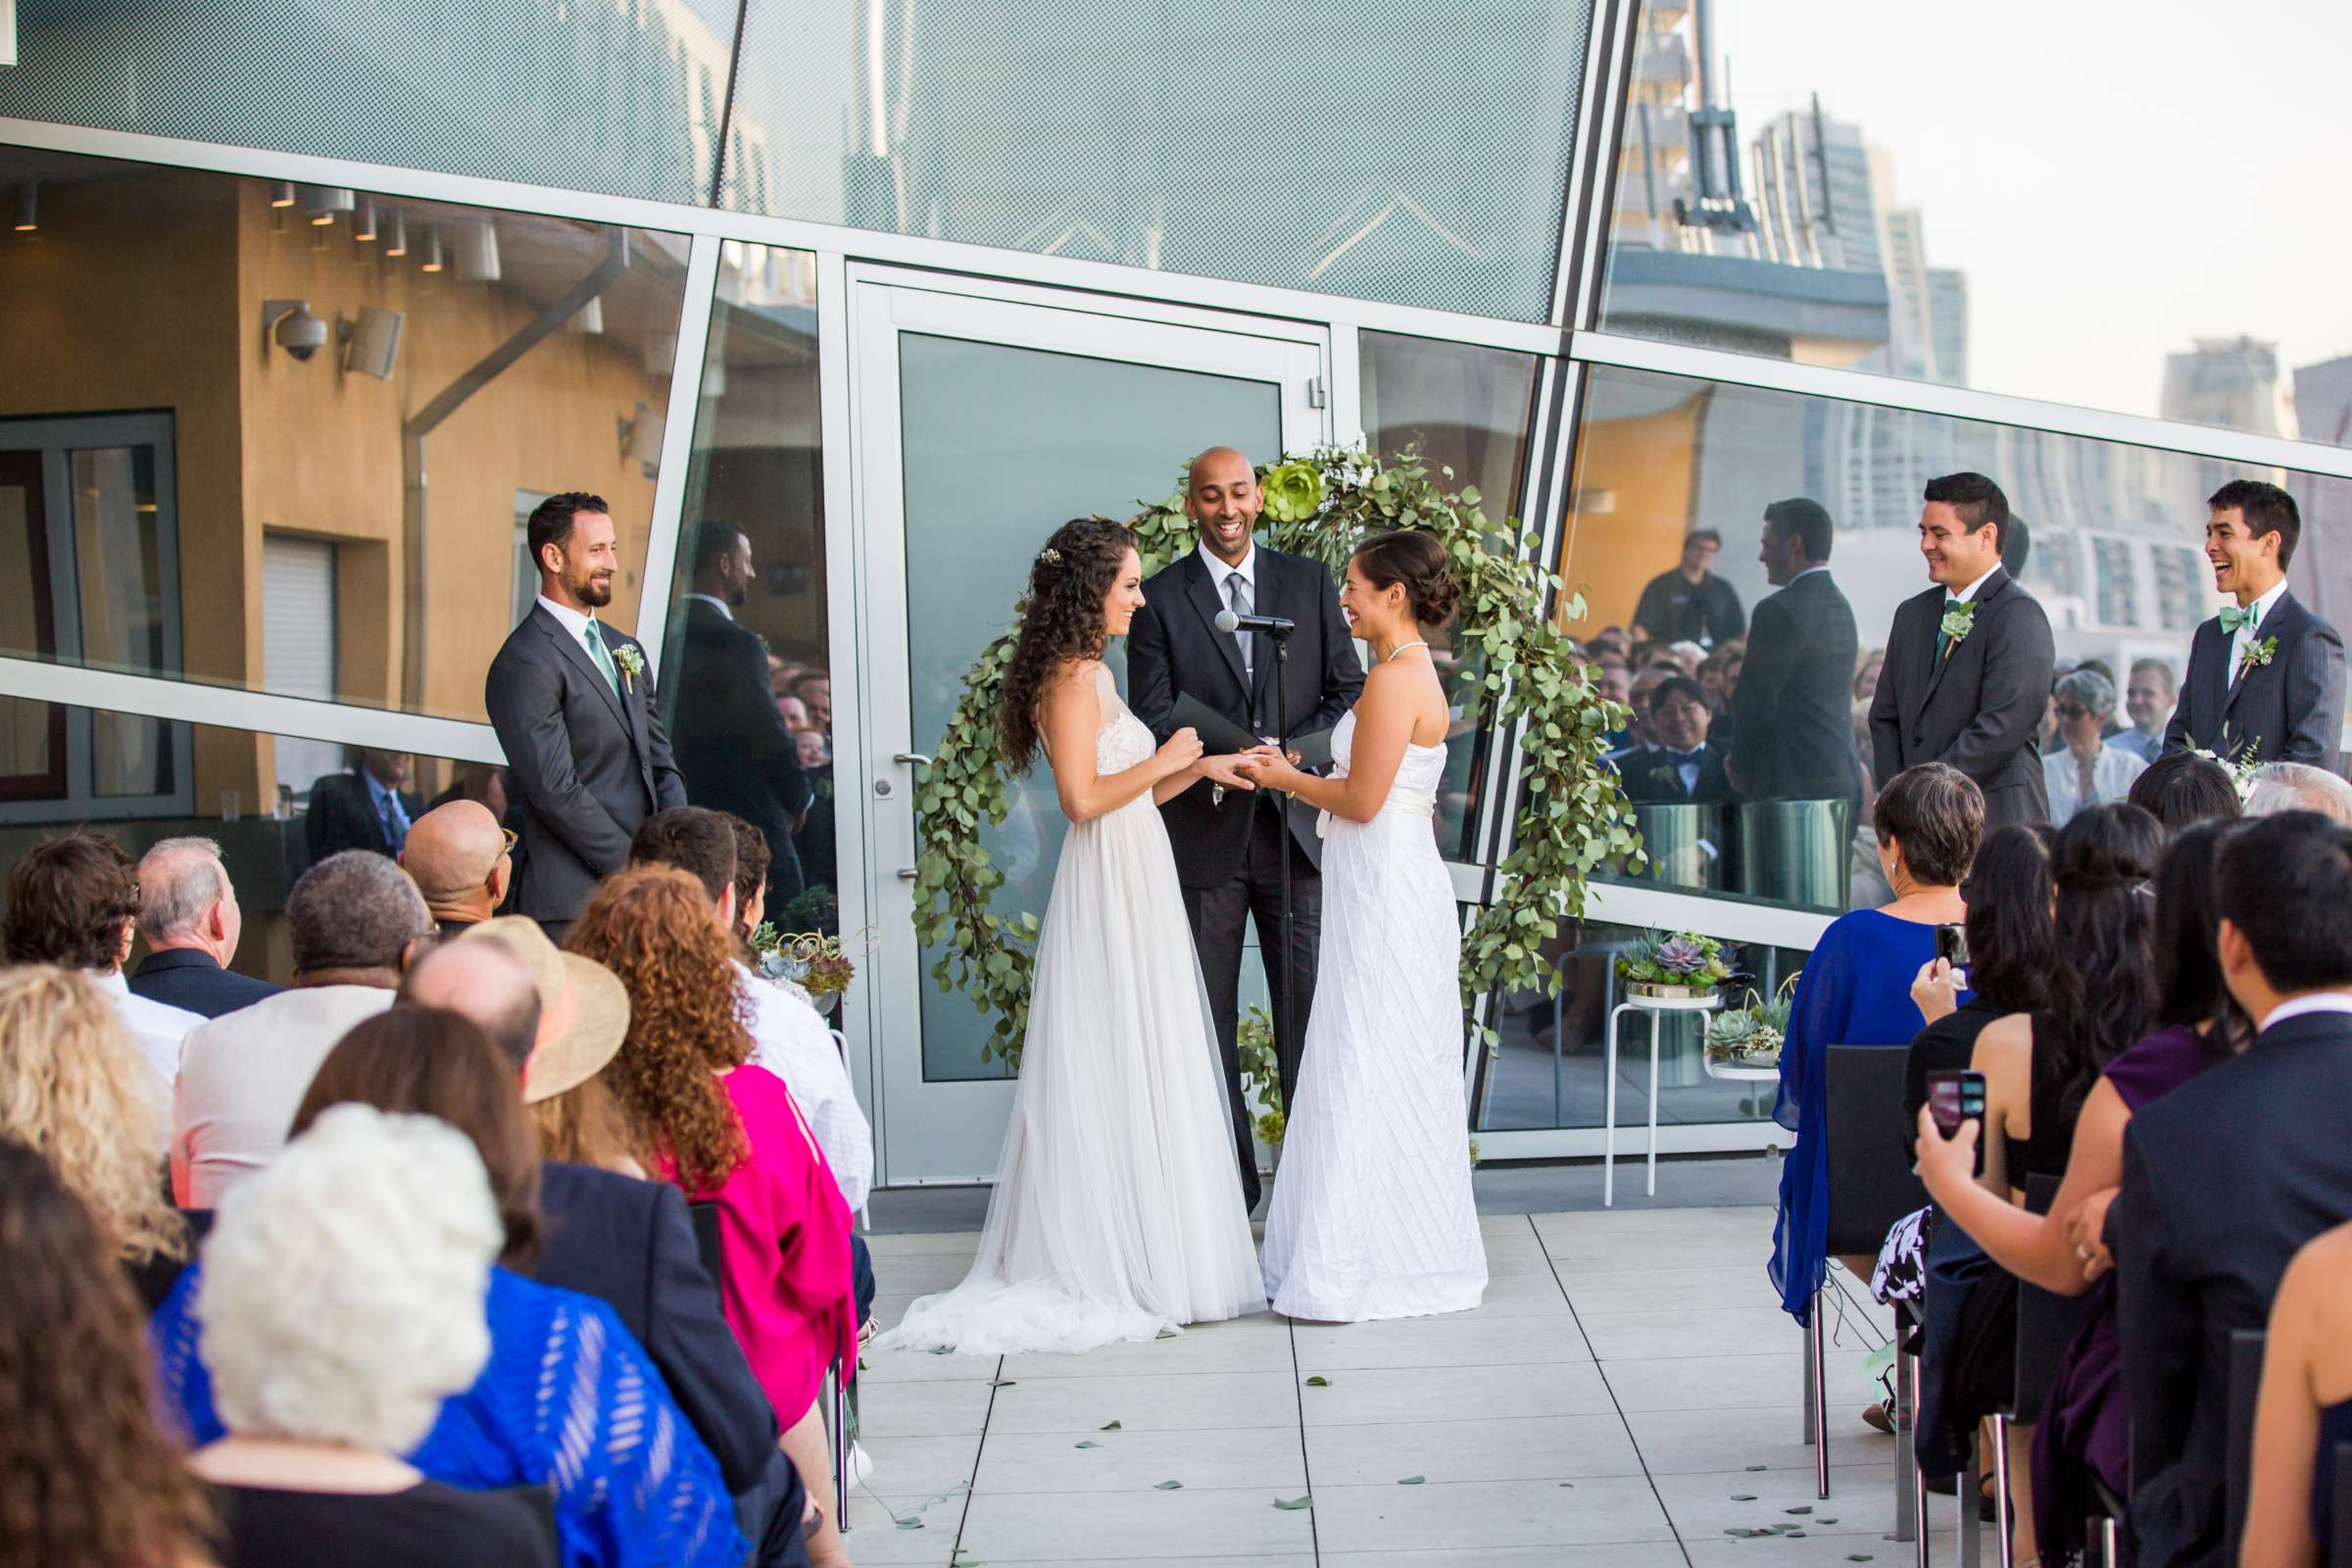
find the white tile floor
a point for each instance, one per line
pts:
(1626, 1397)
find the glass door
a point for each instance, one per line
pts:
(982, 426)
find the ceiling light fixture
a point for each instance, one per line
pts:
(29, 207)
(281, 194)
(589, 317)
(398, 243)
(433, 250)
(478, 253)
(323, 201)
(363, 224)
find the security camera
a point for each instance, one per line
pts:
(296, 330)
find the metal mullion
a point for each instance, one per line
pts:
(1593, 177)
(1961, 403)
(677, 442)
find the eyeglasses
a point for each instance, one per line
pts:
(512, 839)
(2073, 710)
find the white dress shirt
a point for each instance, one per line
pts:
(160, 1030)
(789, 1038)
(1220, 574)
(1964, 595)
(576, 623)
(2111, 776)
(718, 604)
(2316, 1002)
(2243, 638)
(242, 1077)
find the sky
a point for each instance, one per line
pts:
(2116, 179)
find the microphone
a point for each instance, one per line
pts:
(1272, 625)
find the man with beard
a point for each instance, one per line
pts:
(573, 702)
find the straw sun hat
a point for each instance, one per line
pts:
(583, 1009)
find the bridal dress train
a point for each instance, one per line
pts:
(1373, 1215)
(1118, 1212)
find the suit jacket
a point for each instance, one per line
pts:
(585, 763)
(1653, 778)
(342, 816)
(183, 977)
(732, 745)
(2224, 1179)
(2290, 710)
(1793, 731)
(629, 1243)
(1979, 707)
(1174, 647)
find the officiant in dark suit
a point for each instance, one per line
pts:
(733, 747)
(1794, 729)
(1968, 663)
(2266, 676)
(573, 702)
(1229, 841)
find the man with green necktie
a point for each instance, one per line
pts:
(1968, 662)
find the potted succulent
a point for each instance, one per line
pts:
(810, 959)
(1682, 966)
(1751, 1035)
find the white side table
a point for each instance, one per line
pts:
(1653, 1005)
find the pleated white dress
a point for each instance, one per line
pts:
(1373, 1215)
(1117, 1212)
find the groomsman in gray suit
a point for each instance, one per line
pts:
(572, 701)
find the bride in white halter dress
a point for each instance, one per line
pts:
(1118, 1212)
(1373, 1214)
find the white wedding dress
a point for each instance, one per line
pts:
(1118, 1212)
(1373, 1215)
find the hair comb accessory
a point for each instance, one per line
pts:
(1050, 556)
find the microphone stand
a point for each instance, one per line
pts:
(1286, 1014)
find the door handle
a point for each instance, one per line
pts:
(905, 873)
(911, 758)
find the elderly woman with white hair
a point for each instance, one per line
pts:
(2085, 770)
(2298, 787)
(341, 1302)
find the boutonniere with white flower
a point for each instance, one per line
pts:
(632, 663)
(1957, 620)
(2259, 651)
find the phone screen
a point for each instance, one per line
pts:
(1951, 945)
(1956, 1097)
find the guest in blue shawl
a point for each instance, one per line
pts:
(1856, 991)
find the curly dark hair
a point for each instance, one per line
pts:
(654, 927)
(100, 1484)
(1067, 583)
(69, 898)
(2103, 993)
(1415, 558)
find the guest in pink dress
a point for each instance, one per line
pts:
(728, 1132)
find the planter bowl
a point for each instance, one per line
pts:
(1651, 988)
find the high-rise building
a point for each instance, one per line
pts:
(1947, 323)
(1818, 208)
(2231, 381)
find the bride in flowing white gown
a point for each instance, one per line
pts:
(1373, 1214)
(1118, 1212)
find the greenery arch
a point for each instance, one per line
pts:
(1574, 815)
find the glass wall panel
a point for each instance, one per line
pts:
(1911, 192)
(281, 437)
(223, 784)
(1549, 1068)
(603, 95)
(1466, 409)
(1387, 153)
(2108, 537)
(745, 678)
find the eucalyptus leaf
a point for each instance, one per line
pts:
(1318, 1382)
(1293, 1504)
(1414, 1481)
(1090, 1443)
(1111, 1426)
(1169, 1486)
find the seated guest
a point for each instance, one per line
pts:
(73, 900)
(355, 922)
(96, 1479)
(567, 1398)
(189, 919)
(2185, 787)
(2149, 693)
(462, 861)
(1855, 991)
(1685, 769)
(2299, 787)
(366, 806)
(625, 1241)
(2306, 1408)
(483, 783)
(2008, 895)
(1641, 731)
(723, 1129)
(340, 1303)
(2085, 770)
(1613, 682)
(2204, 1228)
(74, 1089)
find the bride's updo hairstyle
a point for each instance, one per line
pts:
(1414, 558)
(1068, 581)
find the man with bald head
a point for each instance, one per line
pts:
(1230, 843)
(460, 860)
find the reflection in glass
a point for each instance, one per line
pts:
(386, 376)
(1547, 1071)
(745, 677)
(1466, 409)
(1790, 184)
(2108, 537)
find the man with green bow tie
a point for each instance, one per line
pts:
(2266, 676)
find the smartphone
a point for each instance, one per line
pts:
(1957, 1095)
(1951, 945)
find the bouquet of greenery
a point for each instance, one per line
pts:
(1259, 1072)
(814, 960)
(1680, 958)
(2240, 768)
(1751, 1035)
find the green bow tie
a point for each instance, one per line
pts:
(2233, 617)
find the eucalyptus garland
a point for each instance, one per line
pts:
(1573, 816)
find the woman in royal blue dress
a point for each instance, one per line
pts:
(1856, 991)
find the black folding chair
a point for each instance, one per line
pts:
(540, 1503)
(2045, 1323)
(705, 1216)
(2245, 1389)
(2340, 1546)
(1871, 1186)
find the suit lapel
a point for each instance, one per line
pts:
(1211, 604)
(2272, 625)
(569, 647)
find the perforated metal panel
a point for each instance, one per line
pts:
(582, 94)
(1378, 149)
